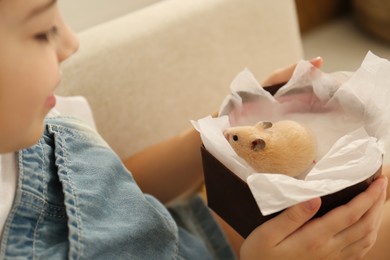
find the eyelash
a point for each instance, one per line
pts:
(46, 36)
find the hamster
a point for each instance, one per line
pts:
(284, 147)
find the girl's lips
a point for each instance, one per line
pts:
(51, 101)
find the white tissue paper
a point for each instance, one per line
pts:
(346, 111)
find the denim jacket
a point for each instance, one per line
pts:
(76, 200)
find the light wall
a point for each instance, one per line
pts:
(82, 14)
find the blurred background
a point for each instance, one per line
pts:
(341, 31)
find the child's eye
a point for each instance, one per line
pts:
(46, 36)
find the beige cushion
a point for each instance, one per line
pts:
(147, 74)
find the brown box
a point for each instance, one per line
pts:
(230, 197)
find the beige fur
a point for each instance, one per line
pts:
(283, 147)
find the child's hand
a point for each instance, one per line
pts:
(284, 74)
(347, 232)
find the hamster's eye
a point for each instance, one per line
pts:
(235, 137)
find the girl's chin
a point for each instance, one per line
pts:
(23, 137)
(30, 140)
(35, 134)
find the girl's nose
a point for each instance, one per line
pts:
(68, 43)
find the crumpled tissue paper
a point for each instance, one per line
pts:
(346, 111)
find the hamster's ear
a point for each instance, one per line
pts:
(263, 125)
(258, 144)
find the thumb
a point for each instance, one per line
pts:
(292, 219)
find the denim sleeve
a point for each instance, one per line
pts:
(76, 200)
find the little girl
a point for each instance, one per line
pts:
(66, 195)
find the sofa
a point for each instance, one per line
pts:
(145, 75)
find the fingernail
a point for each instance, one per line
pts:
(310, 204)
(316, 59)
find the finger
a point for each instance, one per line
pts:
(380, 250)
(344, 216)
(280, 227)
(320, 233)
(386, 172)
(356, 251)
(362, 235)
(359, 248)
(284, 74)
(317, 62)
(367, 224)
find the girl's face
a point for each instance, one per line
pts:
(33, 42)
